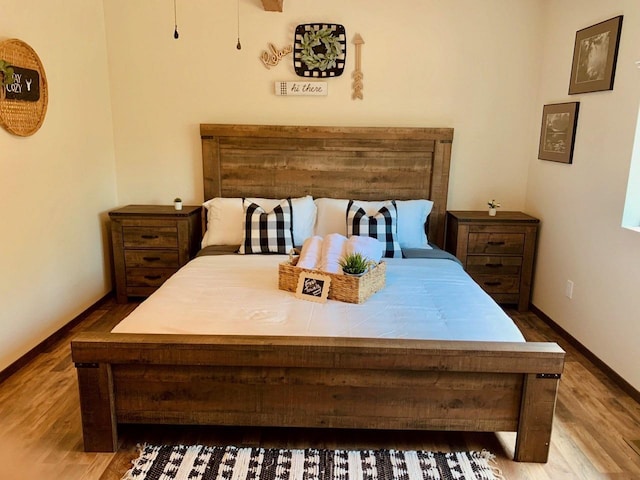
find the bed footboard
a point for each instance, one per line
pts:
(317, 382)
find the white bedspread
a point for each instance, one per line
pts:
(238, 294)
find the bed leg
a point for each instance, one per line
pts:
(536, 417)
(99, 426)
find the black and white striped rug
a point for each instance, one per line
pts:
(197, 462)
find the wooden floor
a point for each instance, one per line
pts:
(40, 435)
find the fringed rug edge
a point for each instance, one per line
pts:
(140, 460)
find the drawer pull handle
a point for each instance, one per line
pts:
(493, 265)
(492, 284)
(495, 244)
(149, 237)
(151, 259)
(153, 277)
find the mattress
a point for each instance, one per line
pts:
(433, 299)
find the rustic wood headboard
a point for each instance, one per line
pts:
(366, 163)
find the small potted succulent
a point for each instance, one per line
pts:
(355, 264)
(493, 206)
(177, 203)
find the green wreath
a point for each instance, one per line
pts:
(325, 57)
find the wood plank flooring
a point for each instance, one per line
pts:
(40, 433)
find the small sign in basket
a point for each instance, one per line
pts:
(344, 288)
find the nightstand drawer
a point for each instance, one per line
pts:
(148, 277)
(151, 258)
(498, 283)
(159, 237)
(498, 243)
(487, 265)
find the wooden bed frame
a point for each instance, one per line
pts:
(321, 382)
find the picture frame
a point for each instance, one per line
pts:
(313, 287)
(558, 132)
(595, 54)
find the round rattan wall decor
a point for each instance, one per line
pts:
(23, 102)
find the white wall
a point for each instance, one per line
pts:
(57, 184)
(581, 205)
(463, 64)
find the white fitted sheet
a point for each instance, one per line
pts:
(238, 295)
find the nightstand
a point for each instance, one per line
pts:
(498, 252)
(150, 243)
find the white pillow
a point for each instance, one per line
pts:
(225, 219)
(332, 216)
(412, 216)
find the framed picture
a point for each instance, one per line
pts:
(313, 287)
(594, 57)
(558, 132)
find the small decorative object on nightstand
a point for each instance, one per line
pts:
(498, 252)
(493, 208)
(150, 243)
(177, 203)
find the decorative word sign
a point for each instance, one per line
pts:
(25, 86)
(313, 287)
(301, 88)
(272, 57)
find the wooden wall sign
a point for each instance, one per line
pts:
(23, 103)
(301, 88)
(272, 5)
(272, 57)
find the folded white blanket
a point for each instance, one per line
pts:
(333, 247)
(368, 247)
(311, 253)
(325, 254)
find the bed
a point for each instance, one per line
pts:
(319, 378)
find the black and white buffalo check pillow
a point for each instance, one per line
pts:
(267, 232)
(383, 226)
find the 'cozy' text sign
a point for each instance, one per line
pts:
(25, 86)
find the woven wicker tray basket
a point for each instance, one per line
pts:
(344, 288)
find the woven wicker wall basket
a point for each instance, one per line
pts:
(18, 116)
